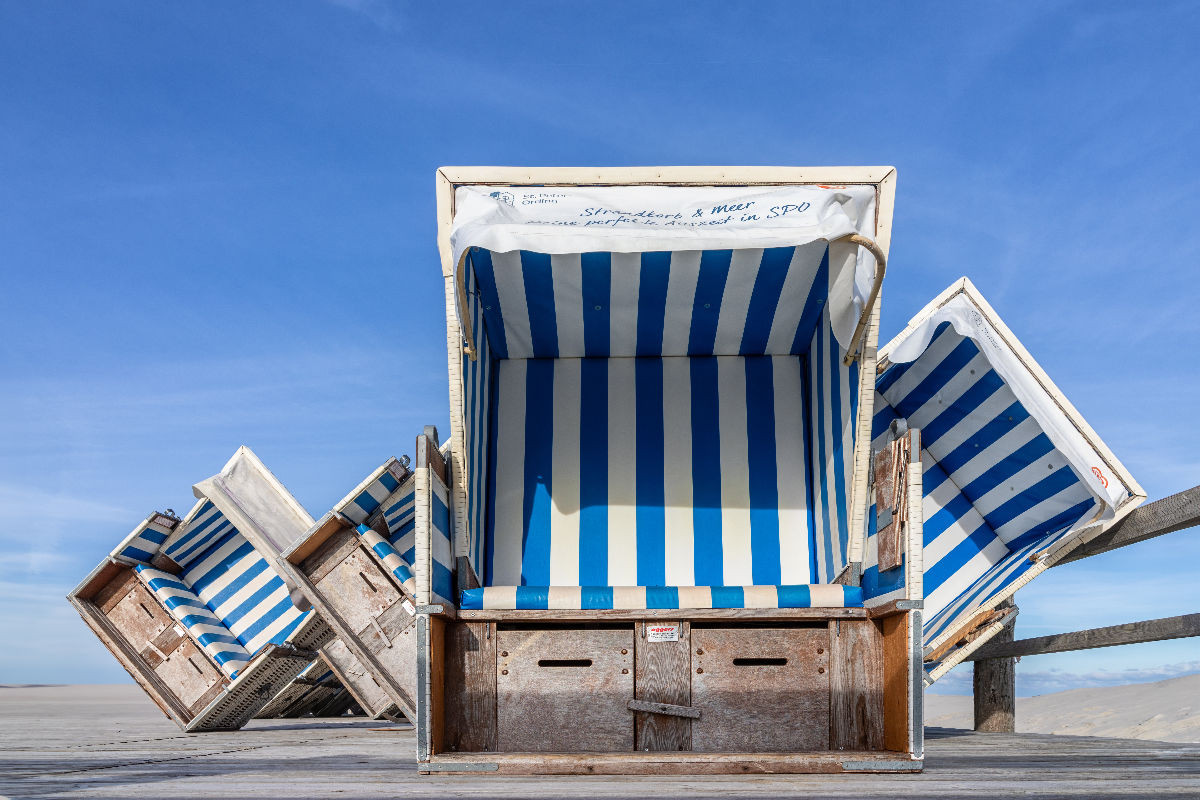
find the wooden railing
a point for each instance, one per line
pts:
(995, 662)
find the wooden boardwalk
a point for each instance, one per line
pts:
(94, 742)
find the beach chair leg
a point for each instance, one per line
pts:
(995, 690)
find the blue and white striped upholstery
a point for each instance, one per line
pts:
(144, 541)
(442, 548)
(399, 514)
(719, 455)
(995, 487)
(387, 554)
(366, 500)
(230, 577)
(193, 614)
(665, 597)
(715, 302)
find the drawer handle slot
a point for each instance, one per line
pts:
(564, 662)
(367, 581)
(760, 662)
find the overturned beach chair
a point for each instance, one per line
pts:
(195, 610)
(355, 566)
(661, 405)
(1014, 478)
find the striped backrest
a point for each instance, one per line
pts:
(716, 302)
(191, 612)
(720, 454)
(232, 579)
(996, 488)
(145, 540)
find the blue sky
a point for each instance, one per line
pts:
(217, 228)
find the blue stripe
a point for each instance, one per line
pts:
(649, 472)
(271, 615)
(728, 597)
(706, 474)
(201, 580)
(485, 276)
(652, 303)
(820, 471)
(597, 293)
(366, 502)
(946, 370)
(1007, 467)
(764, 298)
(389, 481)
(593, 472)
(247, 608)
(962, 408)
(763, 471)
(539, 299)
(964, 551)
(839, 464)
(990, 433)
(533, 597)
(662, 597)
(158, 537)
(489, 522)
(814, 307)
(539, 468)
(596, 597)
(137, 553)
(795, 597)
(1041, 491)
(442, 581)
(706, 308)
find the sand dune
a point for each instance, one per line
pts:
(1166, 711)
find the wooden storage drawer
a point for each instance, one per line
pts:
(564, 691)
(760, 689)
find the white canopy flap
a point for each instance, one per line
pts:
(641, 219)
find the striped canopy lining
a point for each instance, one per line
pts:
(574, 463)
(232, 580)
(995, 488)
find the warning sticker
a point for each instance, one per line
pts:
(409, 607)
(662, 633)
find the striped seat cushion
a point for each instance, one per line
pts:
(398, 566)
(193, 614)
(664, 597)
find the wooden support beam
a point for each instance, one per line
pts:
(1163, 516)
(995, 686)
(1153, 630)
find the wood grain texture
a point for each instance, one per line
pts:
(897, 733)
(1153, 630)
(470, 679)
(855, 686)
(1167, 515)
(552, 708)
(332, 552)
(360, 589)
(995, 689)
(663, 674)
(760, 689)
(358, 679)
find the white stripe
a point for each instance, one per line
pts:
(735, 302)
(681, 294)
(567, 277)
(510, 287)
(950, 392)
(919, 370)
(680, 554)
(793, 295)
(988, 411)
(508, 510)
(788, 382)
(818, 469)
(738, 566)
(986, 458)
(622, 472)
(623, 301)
(564, 506)
(964, 576)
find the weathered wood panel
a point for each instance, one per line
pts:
(855, 686)
(995, 689)
(760, 689)
(897, 733)
(189, 672)
(358, 679)
(1153, 630)
(1170, 514)
(564, 691)
(663, 674)
(470, 683)
(360, 588)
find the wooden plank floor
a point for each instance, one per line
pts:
(109, 741)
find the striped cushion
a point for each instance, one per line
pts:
(193, 614)
(646, 597)
(390, 558)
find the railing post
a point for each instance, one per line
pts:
(995, 688)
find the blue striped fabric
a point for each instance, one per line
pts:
(386, 553)
(366, 500)
(663, 597)
(232, 579)
(477, 404)
(442, 549)
(995, 488)
(652, 471)
(651, 304)
(400, 517)
(208, 631)
(144, 541)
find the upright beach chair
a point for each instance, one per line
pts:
(1014, 478)
(355, 566)
(195, 610)
(644, 552)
